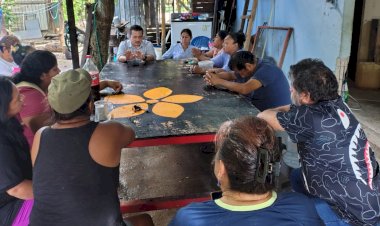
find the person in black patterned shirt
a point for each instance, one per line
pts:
(338, 164)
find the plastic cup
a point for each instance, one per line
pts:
(102, 109)
(206, 64)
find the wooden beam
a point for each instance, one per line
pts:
(73, 34)
(163, 28)
(250, 24)
(372, 40)
(244, 16)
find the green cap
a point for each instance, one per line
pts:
(69, 90)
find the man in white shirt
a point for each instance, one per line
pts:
(135, 47)
(6, 60)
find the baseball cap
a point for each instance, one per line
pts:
(69, 90)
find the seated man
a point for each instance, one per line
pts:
(264, 83)
(245, 166)
(6, 60)
(337, 162)
(135, 47)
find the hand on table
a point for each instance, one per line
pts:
(196, 52)
(139, 55)
(129, 55)
(196, 69)
(115, 85)
(211, 79)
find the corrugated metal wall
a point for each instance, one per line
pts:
(131, 11)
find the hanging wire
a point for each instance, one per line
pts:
(56, 12)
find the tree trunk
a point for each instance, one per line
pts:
(100, 34)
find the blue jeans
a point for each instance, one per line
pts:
(328, 216)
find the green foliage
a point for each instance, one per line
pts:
(6, 6)
(79, 9)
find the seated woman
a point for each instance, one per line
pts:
(15, 164)
(181, 50)
(232, 43)
(76, 161)
(243, 165)
(7, 44)
(215, 50)
(36, 72)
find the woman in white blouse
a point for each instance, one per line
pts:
(181, 50)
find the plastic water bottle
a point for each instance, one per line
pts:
(345, 91)
(92, 69)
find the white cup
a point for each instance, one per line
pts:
(102, 109)
(206, 64)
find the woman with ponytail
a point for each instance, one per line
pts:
(36, 72)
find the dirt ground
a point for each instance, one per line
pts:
(53, 46)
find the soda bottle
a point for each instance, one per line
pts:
(92, 69)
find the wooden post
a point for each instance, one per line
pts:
(250, 24)
(163, 28)
(51, 26)
(87, 35)
(73, 34)
(61, 25)
(244, 16)
(178, 6)
(156, 5)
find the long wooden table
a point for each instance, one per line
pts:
(199, 121)
(197, 124)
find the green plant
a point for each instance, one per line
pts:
(79, 9)
(6, 6)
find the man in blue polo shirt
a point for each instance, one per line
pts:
(260, 80)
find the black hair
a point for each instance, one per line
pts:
(83, 110)
(136, 28)
(314, 77)
(237, 145)
(239, 59)
(222, 34)
(21, 52)
(34, 65)
(188, 31)
(11, 128)
(238, 37)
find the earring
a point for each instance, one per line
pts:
(218, 183)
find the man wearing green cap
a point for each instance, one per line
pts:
(76, 161)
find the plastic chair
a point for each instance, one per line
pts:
(200, 42)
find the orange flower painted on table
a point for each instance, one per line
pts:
(165, 104)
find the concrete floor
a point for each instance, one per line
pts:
(165, 171)
(185, 169)
(365, 104)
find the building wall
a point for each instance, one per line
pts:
(321, 29)
(371, 11)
